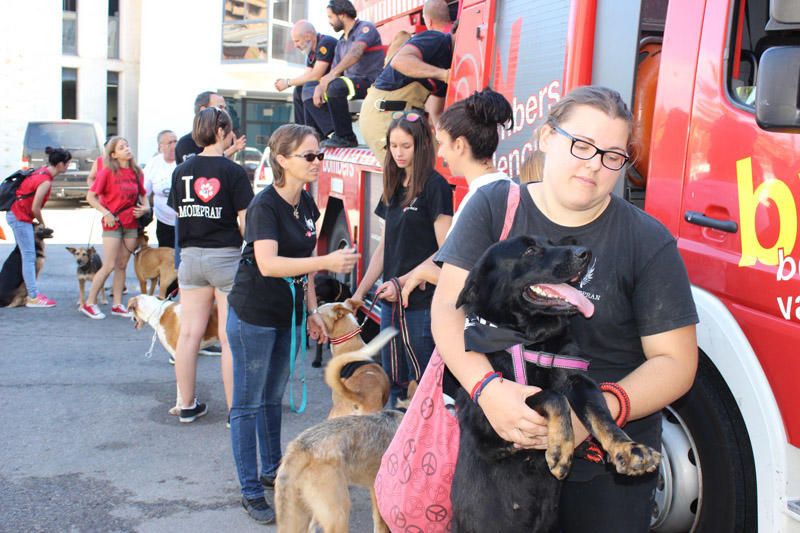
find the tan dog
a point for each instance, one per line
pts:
(89, 263)
(324, 460)
(164, 316)
(340, 323)
(154, 264)
(359, 385)
(320, 465)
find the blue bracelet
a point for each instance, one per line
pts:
(485, 382)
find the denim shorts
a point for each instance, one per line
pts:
(208, 267)
(121, 233)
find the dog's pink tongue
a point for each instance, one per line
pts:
(573, 296)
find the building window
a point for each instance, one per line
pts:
(113, 29)
(112, 104)
(69, 28)
(69, 93)
(248, 34)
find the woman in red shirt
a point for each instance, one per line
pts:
(118, 193)
(32, 194)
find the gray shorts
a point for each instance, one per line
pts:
(208, 267)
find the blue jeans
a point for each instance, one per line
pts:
(260, 374)
(419, 331)
(23, 234)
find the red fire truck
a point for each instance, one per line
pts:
(714, 88)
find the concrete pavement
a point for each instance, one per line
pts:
(88, 444)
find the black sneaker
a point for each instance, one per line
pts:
(259, 510)
(340, 142)
(190, 415)
(268, 482)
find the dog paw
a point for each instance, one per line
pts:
(559, 460)
(634, 459)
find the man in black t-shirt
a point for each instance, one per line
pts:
(186, 146)
(319, 51)
(416, 77)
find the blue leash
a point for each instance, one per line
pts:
(294, 348)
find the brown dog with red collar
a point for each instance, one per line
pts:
(358, 384)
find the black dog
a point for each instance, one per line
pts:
(519, 293)
(13, 291)
(328, 290)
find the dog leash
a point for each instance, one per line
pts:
(295, 345)
(397, 307)
(149, 353)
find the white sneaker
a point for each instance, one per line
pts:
(92, 311)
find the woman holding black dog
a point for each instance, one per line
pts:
(118, 193)
(267, 307)
(32, 194)
(417, 208)
(642, 333)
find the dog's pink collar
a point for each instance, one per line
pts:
(519, 355)
(346, 337)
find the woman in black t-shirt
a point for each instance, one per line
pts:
(642, 332)
(277, 263)
(210, 194)
(417, 208)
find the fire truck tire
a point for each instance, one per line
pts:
(338, 239)
(707, 476)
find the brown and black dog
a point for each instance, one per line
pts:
(154, 264)
(13, 292)
(521, 288)
(89, 263)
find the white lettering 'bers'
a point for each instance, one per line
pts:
(203, 211)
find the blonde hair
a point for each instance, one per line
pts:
(112, 164)
(604, 99)
(284, 141)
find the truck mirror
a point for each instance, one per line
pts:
(778, 89)
(785, 11)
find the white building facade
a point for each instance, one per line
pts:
(135, 66)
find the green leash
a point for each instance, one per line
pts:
(294, 347)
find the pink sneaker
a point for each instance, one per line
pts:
(92, 311)
(40, 300)
(120, 310)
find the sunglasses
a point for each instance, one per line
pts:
(311, 156)
(410, 116)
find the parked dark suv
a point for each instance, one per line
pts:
(82, 139)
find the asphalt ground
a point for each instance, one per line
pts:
(87, 442)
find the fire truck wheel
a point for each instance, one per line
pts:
(707, 475)
(340, 238)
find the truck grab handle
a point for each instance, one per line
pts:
(693, 217)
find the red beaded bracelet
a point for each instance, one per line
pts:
(623, 399)
(480, 385)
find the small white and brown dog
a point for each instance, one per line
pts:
(164, 316)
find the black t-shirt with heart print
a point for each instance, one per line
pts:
(207, 193)
(262, 300)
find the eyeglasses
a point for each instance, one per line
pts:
(585, 150)
(411, 116)
(311, 156)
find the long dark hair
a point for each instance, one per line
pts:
(422, 165)
(476, 119)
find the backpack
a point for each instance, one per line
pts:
(9, 186)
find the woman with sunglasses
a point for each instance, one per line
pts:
(417, 208)
(642, 333)
(210, 193)
(267, 307)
